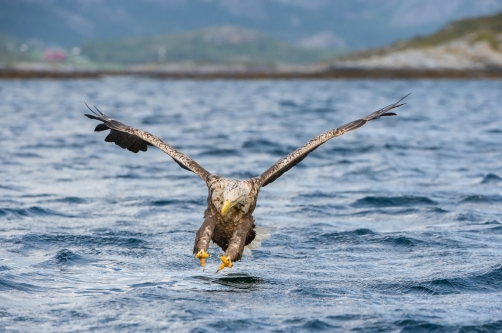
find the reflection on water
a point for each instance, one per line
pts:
(393, 227)
(237, 281)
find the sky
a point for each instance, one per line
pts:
(349, 24)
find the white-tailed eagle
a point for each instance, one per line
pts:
(228, 219)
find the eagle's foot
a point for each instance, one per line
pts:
(202, 255)
(225, 262)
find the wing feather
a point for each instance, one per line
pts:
(136, 140)
(289, 161)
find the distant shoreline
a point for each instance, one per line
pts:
(332, 73)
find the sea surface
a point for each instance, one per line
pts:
(395, 227)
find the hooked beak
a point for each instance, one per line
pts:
(226, 206)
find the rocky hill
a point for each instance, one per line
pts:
(464, 44)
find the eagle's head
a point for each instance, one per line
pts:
(235, 192)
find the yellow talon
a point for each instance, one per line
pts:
(201, 255)
(225, 262)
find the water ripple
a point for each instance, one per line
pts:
(490, 281)
(402, 201)
(491, 179)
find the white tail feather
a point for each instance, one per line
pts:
(246, 252)
(254, 245)
(262, 233)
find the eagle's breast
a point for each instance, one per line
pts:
(228, 223)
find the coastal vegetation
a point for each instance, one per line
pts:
(219, 45)
(466, 43)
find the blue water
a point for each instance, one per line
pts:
(394, 227)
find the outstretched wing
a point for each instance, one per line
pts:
(289, 161)
(135, 140)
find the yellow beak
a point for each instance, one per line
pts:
(226, 206)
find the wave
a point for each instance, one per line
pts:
(491, 179)
(405, 211)
(12, 188)
(404, 147)
(410, 325)
(55, 144)
(129, 175)
(419, 326)
(44, 240)
(288, 103)
(482, 199)
(27, 155)
(150, 284)
(317, 325)
(160, 119)
(30, 212)
(471, 216)
(219, 152)
(493, 230)
(239, 281)
(405, 201)
(349, 150)
(400, 241)
(368, 236)
(490, 281)
(242, 174)
(121, 233)
(71, 200)
(353, 236)
(266, 146)
(176, 202)
(318, 194)
(317, 210)
(65, 257)
(495, 326)
(7, 285)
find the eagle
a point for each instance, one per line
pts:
(228, 218)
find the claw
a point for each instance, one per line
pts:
(225, 262)
(202, 255)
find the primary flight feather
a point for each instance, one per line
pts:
(228, 219)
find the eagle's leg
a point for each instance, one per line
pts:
(236, 245)
(226, 261)
(202, 255)
(203, 237)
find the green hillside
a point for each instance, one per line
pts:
(212, 45)
(487, 28)
(482, 29)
